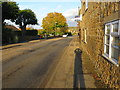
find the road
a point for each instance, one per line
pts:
(32, 64)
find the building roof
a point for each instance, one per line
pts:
(12, 27)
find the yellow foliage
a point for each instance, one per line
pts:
(53, 20)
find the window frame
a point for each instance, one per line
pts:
(85, 35)
(109, 55)
(86, 5)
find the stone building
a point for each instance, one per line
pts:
(100, 38)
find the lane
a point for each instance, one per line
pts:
(31, 69)
(10, 53)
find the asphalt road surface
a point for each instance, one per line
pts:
(31, 65)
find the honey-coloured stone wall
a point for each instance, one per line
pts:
(93, 21)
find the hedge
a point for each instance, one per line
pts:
(10, 36)
(31, 32)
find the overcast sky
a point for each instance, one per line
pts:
(41, 9)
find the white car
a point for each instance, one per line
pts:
(65, 35)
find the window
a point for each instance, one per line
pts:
(80, 17)
(112, 38)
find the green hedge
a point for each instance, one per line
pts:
(31, 32)
(28, 33)
(10, 36)
(19, 33)
(69, 33)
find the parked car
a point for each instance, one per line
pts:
(65, 35)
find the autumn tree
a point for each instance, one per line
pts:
(9, 11)
(25, 17)
(53, 21)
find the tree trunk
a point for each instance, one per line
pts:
(54, 32)
(23, 33)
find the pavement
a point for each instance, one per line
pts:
(55, 63)
(71, 72)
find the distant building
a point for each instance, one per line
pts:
(100, 38)
(73, 30)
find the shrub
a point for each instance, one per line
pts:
(31, 32)
(69, 33)
(10, 36)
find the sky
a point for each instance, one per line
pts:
(42, 8)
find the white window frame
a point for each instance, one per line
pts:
(86, 5)
(85, 35)
(108, 56)
(80, 17)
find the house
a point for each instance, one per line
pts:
(100, 38)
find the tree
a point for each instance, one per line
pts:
(25, 17)
(9, 10)
(53, 21)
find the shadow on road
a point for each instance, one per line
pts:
(78, 71)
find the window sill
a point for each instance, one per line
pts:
(111, 60)
(86, 9)
(84, 41)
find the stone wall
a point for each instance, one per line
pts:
(93, 25)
